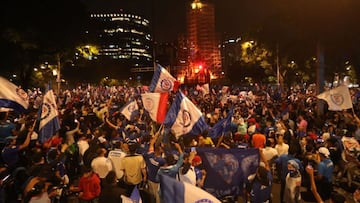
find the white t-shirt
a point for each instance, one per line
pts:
(83, 146)
(116, 156)
(269, 153)
(101, 166)
(282, 149)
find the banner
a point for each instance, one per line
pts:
(156, 105)
(184, 117)
(49, 120)
(175, 191)
(12, 96)
(338, 98)
(163, 81)
(227, 169)
(130, 110)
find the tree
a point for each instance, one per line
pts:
(33, 30)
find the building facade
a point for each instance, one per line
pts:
(124, 37)
(201, 34)
(202, 43)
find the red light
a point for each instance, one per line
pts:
(200, 67)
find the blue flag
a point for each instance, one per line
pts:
(175, 191)
(11, 96)
(163, 81)
(49, 119)
(228, 169)
(222, 126)
(130, 110)
(184, 117)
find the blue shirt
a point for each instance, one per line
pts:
(261, 193)
(326, 168)
(10, 155)
(6, 129)
(153, 164)
(171, 170)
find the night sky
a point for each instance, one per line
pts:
(237, 17)
(168, 16)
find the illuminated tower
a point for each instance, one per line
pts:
(201, 34)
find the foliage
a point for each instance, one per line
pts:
(33, 30)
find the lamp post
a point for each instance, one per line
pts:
(58, 77)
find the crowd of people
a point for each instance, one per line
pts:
(98, 155)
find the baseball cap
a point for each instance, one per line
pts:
(324, 151)
(196, 159)
(294, 164)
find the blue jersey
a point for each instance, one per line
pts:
(326, 168)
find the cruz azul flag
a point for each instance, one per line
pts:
(134, 197)
(156, 105)
(11, 96)
(338, 98)
(49, 120)
(163, 81)
(130, 110)
(175, 191)
(221, 126)
(184, 117)
(227, 170)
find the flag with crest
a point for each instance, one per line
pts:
(163, 81)
(338, 99)
(12, 96)
(184, 117)
(49, 120)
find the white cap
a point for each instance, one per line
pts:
(324, 151)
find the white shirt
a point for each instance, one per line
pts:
(282, 149)
(101, 166)
(189, 176)
(269, 153)
(116, 156)
(83, 146)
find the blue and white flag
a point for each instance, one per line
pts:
(134, 197)
(338, 99)
(49, 120)
(12, 96)
(184, 117)
(163, 81)
(175, 191)
(130, 110)
(222, 126)
(227, 170)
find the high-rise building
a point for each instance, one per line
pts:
(201, 36)
(124, 37)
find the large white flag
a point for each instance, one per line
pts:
(184, 117)
(156, 105)
(11, 96)
(338, 98)
(175, 191)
